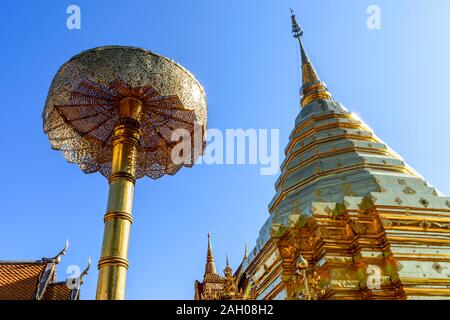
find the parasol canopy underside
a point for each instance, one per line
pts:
(81, 110)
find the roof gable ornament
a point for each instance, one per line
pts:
(49, 274)
(75, 292)
(57, 259)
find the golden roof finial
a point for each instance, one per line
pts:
(312, 87)
(210, 265)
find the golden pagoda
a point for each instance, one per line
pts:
(350, 219)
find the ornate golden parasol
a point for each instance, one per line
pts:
(113, 109)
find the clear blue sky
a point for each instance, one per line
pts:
(243, 53)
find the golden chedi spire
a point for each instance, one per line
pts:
(312, 87)
(230, 289)
(210, 267)
(228, 271)
(212, 287)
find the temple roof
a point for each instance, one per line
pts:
(58, 291)
(20, 280)
(35, 280)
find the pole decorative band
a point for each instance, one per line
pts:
(118, 215)
(122, 175)
(113, 261)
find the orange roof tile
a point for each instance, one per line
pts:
(57, 291)
(19, 280)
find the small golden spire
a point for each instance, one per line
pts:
(312, 87)
(246, 251)
(210, 265)
(228, 270)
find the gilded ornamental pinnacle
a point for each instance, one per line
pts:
(210, 267)
(312, 87)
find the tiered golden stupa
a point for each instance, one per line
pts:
(350, 219)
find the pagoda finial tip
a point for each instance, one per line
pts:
(297, 32)
(312, 89)
(209, 241)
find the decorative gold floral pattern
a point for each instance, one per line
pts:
(81, 109)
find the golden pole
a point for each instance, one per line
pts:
(113, 264)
